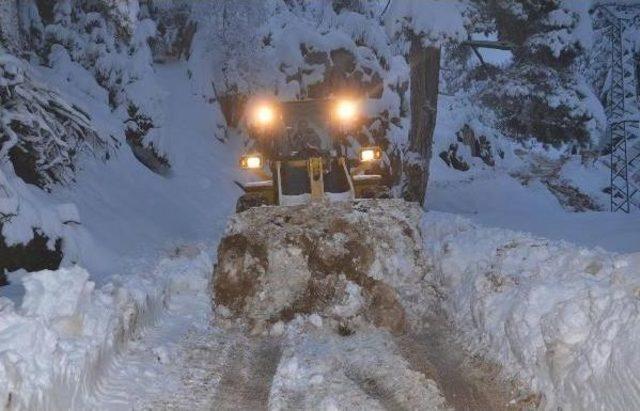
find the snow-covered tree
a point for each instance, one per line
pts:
(110, 40)
(42, 133)
(304, 50)
(542, 94)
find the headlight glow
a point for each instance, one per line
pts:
(346, 110)
(370, 154)
(264, 115)
(252, 161)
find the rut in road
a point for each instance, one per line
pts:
(249, 371)
(220, 371)
(229, 370)
(467, 382)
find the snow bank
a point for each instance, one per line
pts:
(349, 262)
(566, 320)
(55, 347)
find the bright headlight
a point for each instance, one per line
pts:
(346, 110)
(370, 154)
(251, 161)
(264, 115)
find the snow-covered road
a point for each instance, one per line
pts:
(561, 318)
(331, 349)
(186, 362)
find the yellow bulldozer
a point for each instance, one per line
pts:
(301, 154)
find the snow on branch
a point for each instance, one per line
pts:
(42, 133)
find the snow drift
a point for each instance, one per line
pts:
(350, 262)
(56, 346)
(566, 320)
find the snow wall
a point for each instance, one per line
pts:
(565, 320)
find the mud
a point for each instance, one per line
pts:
(467, 382)
(277, 262)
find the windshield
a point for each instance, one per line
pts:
(306, 126)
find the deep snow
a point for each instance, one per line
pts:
(564, 319)
(57, 347)
(496, 200)
(573, 342)
(130, 219)
(132, 212)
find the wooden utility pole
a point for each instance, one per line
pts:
(424, 63)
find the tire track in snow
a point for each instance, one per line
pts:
(222, 370)
(376, 390)
(150, 366)
(248, 376)
(467, 382)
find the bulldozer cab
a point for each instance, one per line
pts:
(300, 154)
(304, 130)
(309, 151)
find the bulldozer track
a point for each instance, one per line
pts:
(248, 375)
(377, 390)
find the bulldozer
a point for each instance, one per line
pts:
(301, 154)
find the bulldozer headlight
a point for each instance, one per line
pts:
(251, 161)
(370, 154)
(346, 111)
(264, 115)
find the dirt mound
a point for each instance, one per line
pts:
(344, 261)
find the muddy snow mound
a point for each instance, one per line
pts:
(353, 263)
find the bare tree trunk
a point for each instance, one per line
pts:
(424, 63)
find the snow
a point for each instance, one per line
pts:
(117, 217)
(502, 201)
(58, 344)
(435, 19)
(131, 212)
(319, 370)
(512, 194)
(55, 294)
(496, 57)
(562, 318)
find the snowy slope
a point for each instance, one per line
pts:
(512, 193)
(132, 211)
(124, 210)
(130, 217)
